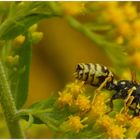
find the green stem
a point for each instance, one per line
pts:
(8, 106)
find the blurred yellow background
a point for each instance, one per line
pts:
(55, 57)
(53, 63)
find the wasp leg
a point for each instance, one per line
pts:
(104, 83)
(97, 91)
(126, 101)
(129, 103)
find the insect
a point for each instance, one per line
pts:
(129, 91)
(100, 76)
(95, 75)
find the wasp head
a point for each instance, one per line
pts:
(79, 71)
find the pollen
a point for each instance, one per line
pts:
(75, 123)
(83, 102)
(116, 131)
(65, 98)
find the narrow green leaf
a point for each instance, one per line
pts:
(20, 79)
(21, 89)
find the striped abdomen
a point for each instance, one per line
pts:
(94, 74)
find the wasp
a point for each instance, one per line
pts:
(100, 76)
(129, 91)
(95, 75)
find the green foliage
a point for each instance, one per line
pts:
(22, 17)
(46, 112)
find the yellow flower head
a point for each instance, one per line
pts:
(73, 8)
(120, 40)
(130, 11)
(109, 4)
(136, 25)
(19, 40)
(75, 88)
(36, 37)
(65, 98)
(105, 121)
(115, 15)
(125, 29)
(135, 124)
(135, 58)
(83, 102)
(33, 28)
(99, 107)
(121, 119)
(135, 42)
(116, 131)
(134, 128)
(75, 123)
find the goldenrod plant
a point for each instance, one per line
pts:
(114, 27)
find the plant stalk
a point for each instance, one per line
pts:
(8, 106)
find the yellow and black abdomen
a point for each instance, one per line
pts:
(93, 74)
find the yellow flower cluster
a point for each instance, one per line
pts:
(74, 124)
(119, 125)
(99, 107)
(73, 95)
(116, 131)
(125, 18)
(122, 125)
(82, 102)
(115, 127)
(65, 98)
